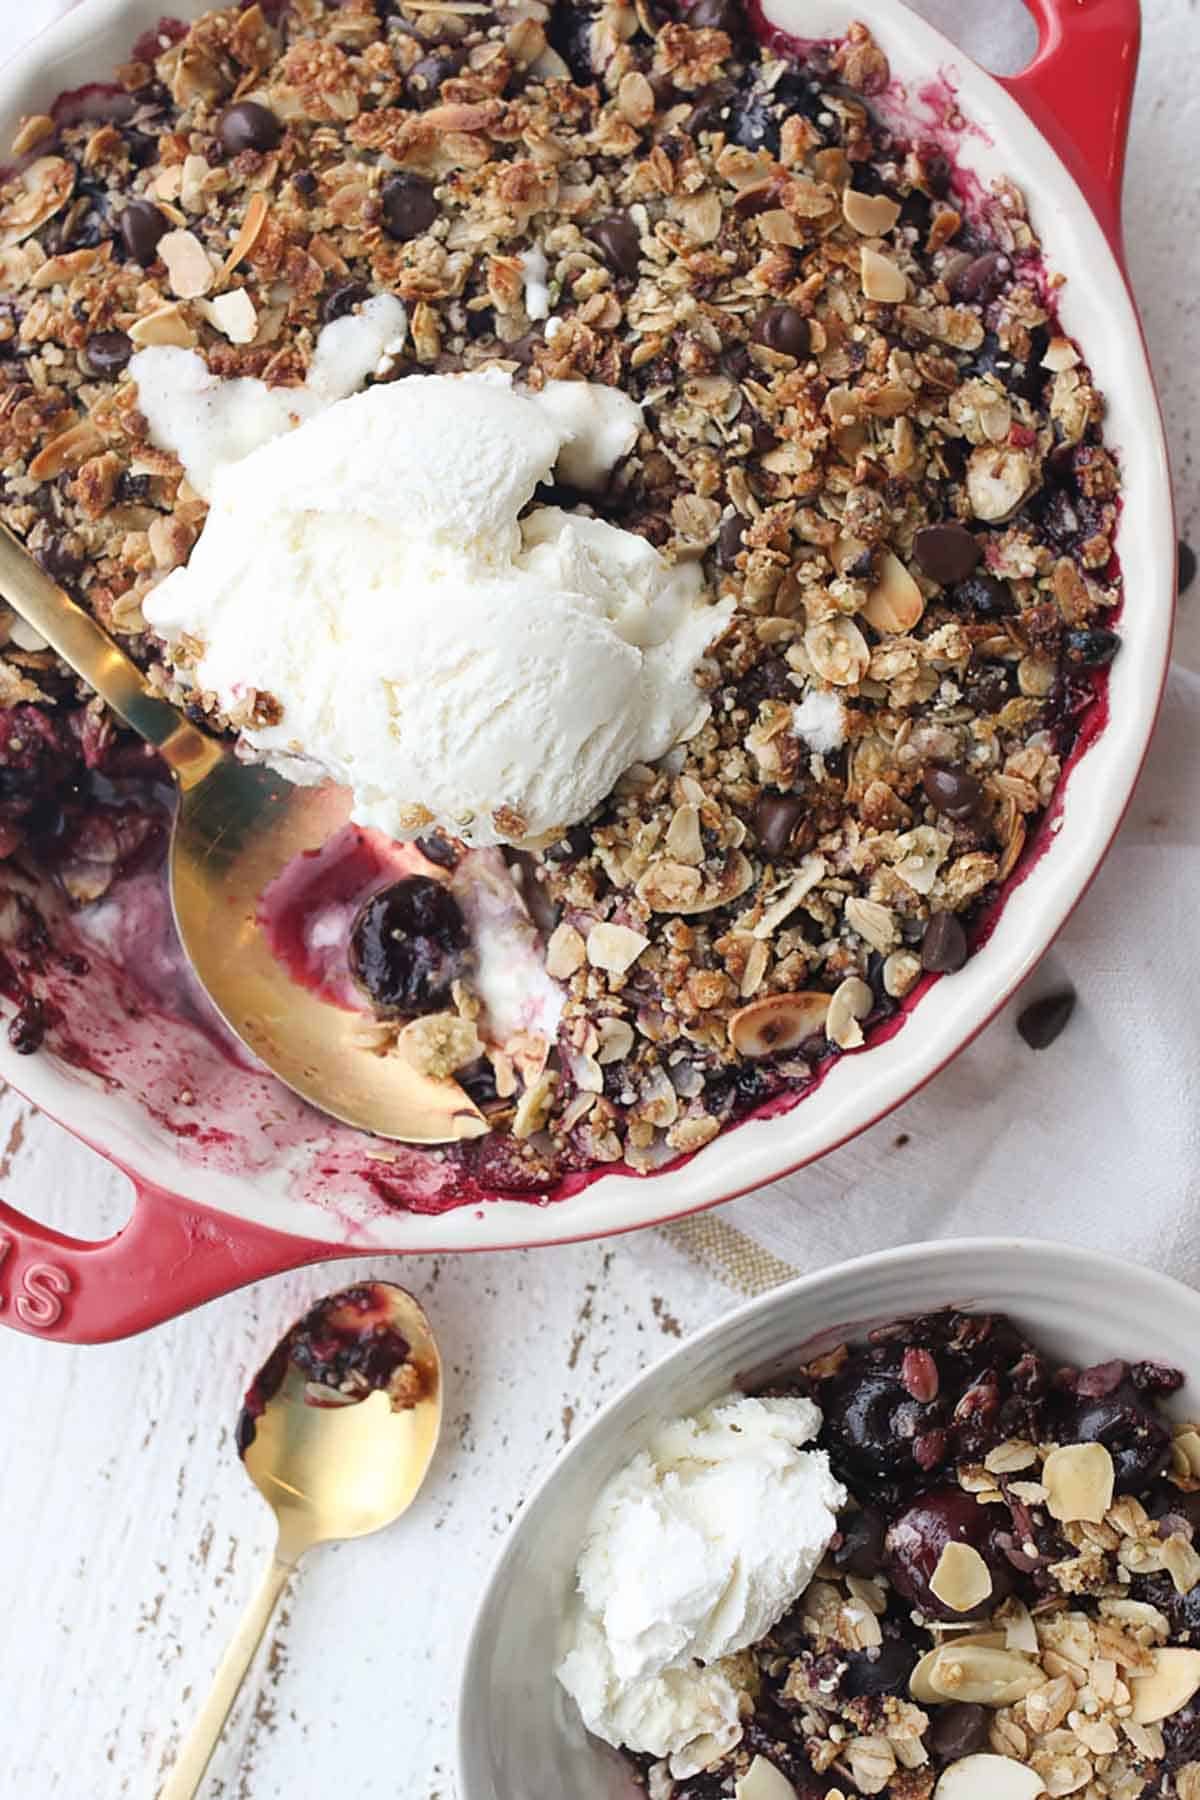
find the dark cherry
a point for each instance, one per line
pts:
(918, 1535)
(616, 237)
(944, 945)
(1091, 649)
(776, 817)
(983, 277)
(990, 690)
(426, 76)
(408, 945)
(953, 791)
(27, 1027)
(872, 1421)
(947, 553)
(860, 1551)
(1181, 1735)
(717, 15)
(985, 595)
(958, 1730)
(569, 31)
(141, 226)
(784, 329)
(1132, 1432)
(248, 125)
(409, 208)
(1043, 1020)
(107, 352)
(883, 1670)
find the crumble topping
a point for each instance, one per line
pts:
(859, 414)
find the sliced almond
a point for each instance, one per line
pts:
(33, 130)
(247, 237)
(872, 214)
(837, 650)
(1171, 1683)
(811, 871)
(616, 1040)
(851, 1003)
(779, 1022)
(189, 270)
(1078, 1479)
(1060, 354)
(165, 325)
(46, 185)
(998, 480)
(895, 603)
(987, 1777)
(962, 1580)
(614, 948)
(881, 279)
(669, 886)
(233, 315)
(873, 922)
(683, 838)
(565, 952)
(982, 1674)
(762, 1781)
(918, 1682)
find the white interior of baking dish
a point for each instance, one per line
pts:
(278, 1185)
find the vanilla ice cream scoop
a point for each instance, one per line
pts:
(423, 644)
(693, 1552)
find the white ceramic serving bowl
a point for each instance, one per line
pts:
(248, 1190)
(519, 1737)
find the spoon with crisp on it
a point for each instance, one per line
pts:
(337, 1434)
(237, 826)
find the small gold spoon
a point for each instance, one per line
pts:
(328, 1468)
(236, 827)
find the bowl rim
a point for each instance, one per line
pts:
(933, 1253)
(854, 1095)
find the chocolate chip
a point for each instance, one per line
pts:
(717, 15)
(1091, 649)
(60, 559)
(958, 1730)
(729, 540)
(985, 595)
(108, 352)
(141, 225)
(426, 77)
(983, 277)
(1187, 566)
(342, 300)
(617, 239)
(409, 208)
(944, 946)
(248, 126)
(947, 553)
(952, 791)
(784, 329)
(776, 817)
(1043, 1020)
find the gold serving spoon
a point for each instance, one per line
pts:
(327, 1469)
(238, 825)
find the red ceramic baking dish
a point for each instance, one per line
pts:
(234, 1178)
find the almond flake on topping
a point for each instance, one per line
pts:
(895, 604)
(998, 480)
(873, 215)
(1173, 1680)
(1078, 1479)
(234, 315)
(779, 1022)
(851, 1003)
(961, 1579)
(614, 948)
(881, 279)
(565, 952)
(190, 272)
(988, 1777)
(763, 1781)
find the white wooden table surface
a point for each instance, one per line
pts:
(129, 1536)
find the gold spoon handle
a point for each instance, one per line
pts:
(183, 1783)
(89, 650)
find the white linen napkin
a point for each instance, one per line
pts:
(1095, 1137)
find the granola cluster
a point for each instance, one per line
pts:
(1040, 1604)
(859, 413)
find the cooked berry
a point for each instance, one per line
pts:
(569, 31)
(1091, 649)
(408, 945)
(982, 278)
(1132, 1432)
(717, 15)
(752, 124)
(426, 76)
(984, 595)
(918, 1535)
(883, 1670)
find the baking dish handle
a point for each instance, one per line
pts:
(1078, 90)
(169, 1257)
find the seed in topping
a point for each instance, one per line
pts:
(1172, 1682)
(409, 208)
(957, 1730)
(961, 1580)
(1043, 1020)
(982, 278)
(142, 226)
(947, 553)
(944, 946)
(248, 126)
(408, 945)
(776, 817)
(784, 329)
(108, 352)
(895, 603)
(952, 791)
(778, 1023)
(616, 237)
(984, 594)
(996, 1777)
(1091, 649)
(1079, 1480)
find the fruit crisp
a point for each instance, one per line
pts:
(859, 415)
